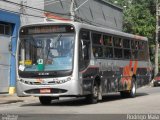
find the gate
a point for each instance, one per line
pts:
(4, 63)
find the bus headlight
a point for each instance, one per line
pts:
(54, 81)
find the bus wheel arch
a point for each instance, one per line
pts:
(132, 92)
(98, 80)
(95, 92)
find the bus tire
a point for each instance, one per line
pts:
(93, 97)
(45, 100)
(130, 93)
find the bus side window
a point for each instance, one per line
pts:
(134, 47)
(108, 49)
(97, 51)
(97, 47)
(118, 47)
(126, 47)
(84, 49)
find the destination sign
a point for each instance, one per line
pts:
(47, 29)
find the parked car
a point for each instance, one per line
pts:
(156, 80)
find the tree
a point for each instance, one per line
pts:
(139, 18)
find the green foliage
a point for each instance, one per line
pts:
(140, 22)
(139, 17)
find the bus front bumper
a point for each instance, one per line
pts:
(69, 88)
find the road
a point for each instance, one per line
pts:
(147, 101)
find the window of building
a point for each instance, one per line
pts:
(2, 29)
(5, 28)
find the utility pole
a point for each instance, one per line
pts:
(157, 32)
(73, 8)
(72, 11)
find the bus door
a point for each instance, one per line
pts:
(86, 72)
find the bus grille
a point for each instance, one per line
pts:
(53, 91)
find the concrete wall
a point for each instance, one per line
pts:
(10, 6)
(9, 14)
(28, 14)
(32, 15)
(14, 13)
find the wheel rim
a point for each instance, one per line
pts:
(95, 91)
(133, 89)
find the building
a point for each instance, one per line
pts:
(95, 12)
(12, 15)
(15, 13)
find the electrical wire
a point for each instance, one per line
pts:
(22, 13)
(42, 2)
(76, 17)
(46, 3)
(33, 7)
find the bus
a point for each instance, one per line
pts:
(71, 59)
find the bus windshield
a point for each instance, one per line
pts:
(46, 52)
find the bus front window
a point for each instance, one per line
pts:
(46, 52)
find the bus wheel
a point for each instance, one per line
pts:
(45, 100)
(93, 98)
(131, 93)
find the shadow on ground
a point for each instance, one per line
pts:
(81, 101)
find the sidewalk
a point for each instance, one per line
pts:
(7, 99)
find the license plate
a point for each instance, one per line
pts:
(45, 90)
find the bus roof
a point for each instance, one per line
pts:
(78, 25)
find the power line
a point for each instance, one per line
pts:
(77, 17)
(46, 3)
(34, 8)
(21, 13)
